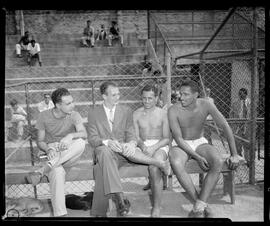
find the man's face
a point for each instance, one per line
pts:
(89, 23)
(47, 99)
(149, 99)
(67, 105)
(187, 97)
(33, 44)
(112, 96)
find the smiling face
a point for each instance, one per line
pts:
(111, 96)
(66, 106)
(187, 97)
(149, 99)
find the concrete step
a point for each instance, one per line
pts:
(82, 51)
(72, 60)
(74, 71)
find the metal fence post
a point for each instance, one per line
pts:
(169, 80)
(29, 126)
(253, 97)
(148, 24)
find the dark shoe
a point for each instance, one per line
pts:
(147, 187)
(122, 206)
(40, 64)
(34, 178)
(19, 56)
(124, 209)
(208, 212)
(197, 214)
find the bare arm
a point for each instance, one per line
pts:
(221, 122)
(140, 142)
(41, 143)
(177, 134)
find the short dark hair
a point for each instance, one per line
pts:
(244, 90)
(192, 84)
(148, 88)
(58, 94)
(88, 21)
(104, 86)
(114, 22)
(33, 41)
(13, 102)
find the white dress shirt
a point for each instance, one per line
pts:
(33, 50)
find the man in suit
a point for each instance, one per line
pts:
(111, 133)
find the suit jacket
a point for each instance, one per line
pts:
(98, 126)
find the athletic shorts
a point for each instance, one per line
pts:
(194, 143)
(152, 142)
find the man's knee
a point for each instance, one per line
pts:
(57, 173)
(217, 163)
(175, 158)
(79, 143)
(103, 152)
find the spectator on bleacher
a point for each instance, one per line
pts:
(88, 35)
(148, 70)
(61, 135)
(18, 116)
(152, 132)
(46, 103)
(186, 120)
(33, 52)
(111, 134)
(114, 33)
(23, 43)
(102, 33)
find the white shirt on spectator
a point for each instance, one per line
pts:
(33, 50)
(107, 112)
(42, 106)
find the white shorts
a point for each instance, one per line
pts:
(152, 142)
(194, 143)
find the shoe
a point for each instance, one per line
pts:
(92, 46)
(40, 64)
(147, 187)
(208, 212)
(34, 178)
(123, 208)
(19, 56)
(196, 214)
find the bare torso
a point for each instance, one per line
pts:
(150, 123)
(191, 122)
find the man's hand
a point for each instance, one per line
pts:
(115, 145)
(128, 149)
(65, 142)
(52, 153)
(234, 161)
(203, 163)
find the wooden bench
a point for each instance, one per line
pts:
(83, 170)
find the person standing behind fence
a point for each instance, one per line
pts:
(61, 135)
(23, 43)
(186, 120)
(88, 35)
(114, 33)
(148, 70)
(241, 109)
(111, 134)
(152, 132)
(46, 103)
(18, 117)
(33, 49)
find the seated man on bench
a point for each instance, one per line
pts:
(186, 120)
(61, 134)
(152, 132)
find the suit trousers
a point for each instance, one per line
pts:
(57, 175)
(107, 178)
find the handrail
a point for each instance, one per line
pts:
(166, 43)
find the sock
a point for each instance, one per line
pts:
(199, 206)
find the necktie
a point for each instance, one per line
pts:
(111, 118)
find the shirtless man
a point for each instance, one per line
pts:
(186, 120)
(152, 132)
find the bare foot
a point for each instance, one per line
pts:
(155, 212)
(165, 167)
